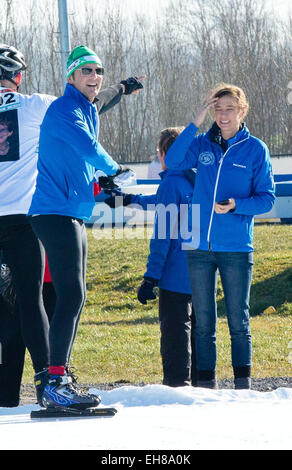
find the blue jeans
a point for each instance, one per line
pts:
(236, 275)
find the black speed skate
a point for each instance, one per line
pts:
(62, 398)
(60, 391)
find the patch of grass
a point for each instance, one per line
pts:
(119, 339)
(272, 273)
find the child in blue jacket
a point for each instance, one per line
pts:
(167, 267)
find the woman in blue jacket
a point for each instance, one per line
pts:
(234, 182)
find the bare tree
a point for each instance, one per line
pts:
(184, 51)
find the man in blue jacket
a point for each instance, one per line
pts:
(69, 155)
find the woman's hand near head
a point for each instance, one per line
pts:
(202, 111)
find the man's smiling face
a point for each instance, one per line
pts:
(87, 80)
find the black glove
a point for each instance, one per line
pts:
(123, 200)
(131, 84)
(146, 290)
(107, 182)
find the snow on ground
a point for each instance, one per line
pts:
(157, 417)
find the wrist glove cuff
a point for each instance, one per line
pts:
(131, 84)
(151, 280)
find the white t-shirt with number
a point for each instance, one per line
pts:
(20, 120)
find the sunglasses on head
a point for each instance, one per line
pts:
(89, 71)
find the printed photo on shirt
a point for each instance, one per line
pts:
(9, 136)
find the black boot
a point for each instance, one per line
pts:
(242, 383)
(206, 379)
(242, 380)
(207, 384)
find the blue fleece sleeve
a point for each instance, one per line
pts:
(263, 191)
(147, 202)
(102, 161)
(165, 228)
(78, 137)
(183, 153)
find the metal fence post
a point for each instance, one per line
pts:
(64, 36)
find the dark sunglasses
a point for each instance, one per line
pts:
(89, 71)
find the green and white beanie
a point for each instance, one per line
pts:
(80, 56)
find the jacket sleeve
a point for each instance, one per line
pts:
(183, 153)
(263, 189)
(108, 98)
(165, 228)
(77, 135)
(147, 202)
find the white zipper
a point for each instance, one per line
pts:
(215, 189)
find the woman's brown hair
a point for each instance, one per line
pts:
(223, 89)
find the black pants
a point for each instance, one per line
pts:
(13, 347)
(25, 257)
(65, 242)
(12, 354)
(177, 344)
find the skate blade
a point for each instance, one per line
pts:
(60, 412)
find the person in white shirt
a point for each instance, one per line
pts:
(18, 169)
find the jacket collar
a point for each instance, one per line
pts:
(215, 135)
(72, 92)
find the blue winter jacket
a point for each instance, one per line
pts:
(167, 260)
(243, 172)
(69, 154)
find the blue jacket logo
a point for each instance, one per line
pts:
(207, 158)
